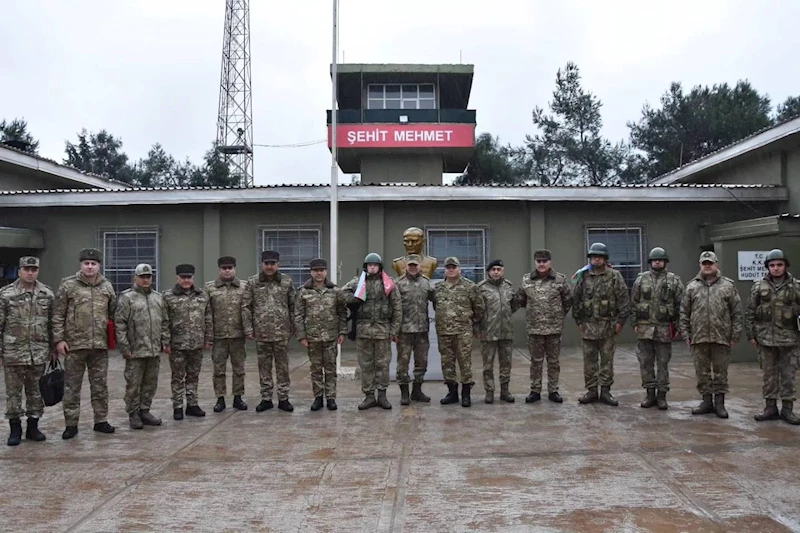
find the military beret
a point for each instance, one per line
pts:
(413, 259)
(184, 269)
(226, 260)
(495, 263)
(270, 255)
(29, 261)
(452, 261)
(143, 269)
(542, 254)
(90, 254)
(318, 263)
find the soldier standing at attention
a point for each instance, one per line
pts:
(268, 316)
(711, 323)
(320, 316)
(226, 294)
(656, 297)
(190, 330)
(84, 304)
(415, 292)
(142, 334)
(459, 310)
(601, 309)
(497, 329)
(26, 342)
(771, 324)
(546, 296)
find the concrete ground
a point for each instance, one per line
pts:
(501, 467)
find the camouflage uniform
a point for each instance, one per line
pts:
(500, 301)
(601, 302)
(320, 317)
(142, 332)
(656, 298)
(267, 314)
(711, 319)
(415, 293)
(26, 340)
(770, 319)
(80, 318)
(547, 301)
(459, 311)
(228, 333)
(379, 319)
(191, 329)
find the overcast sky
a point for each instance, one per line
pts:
(148, 71)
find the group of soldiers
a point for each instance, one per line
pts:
(79, 320)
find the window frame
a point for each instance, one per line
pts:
(107, 267)
(478, 269)
(299, 274)
(629, 272)
(417, 99)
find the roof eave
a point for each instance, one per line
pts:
(38, 164)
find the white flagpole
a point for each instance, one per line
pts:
(333, 269)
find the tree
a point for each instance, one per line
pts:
(490, 165)
(100, 154)
(215, 171)
(788, 110)
(15, 134)
(689, 126)
(157, 169)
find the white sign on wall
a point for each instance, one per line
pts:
(751, 266)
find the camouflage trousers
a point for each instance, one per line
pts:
(711, 367)
(222, 350)
(543, 347)
(419, 343)
(456, 348)
(654, 359)
(95, 363)
(322, 356)
(277, 352)
(373, 362)
(503, 350)
(141, 378)
(185, 365)
(602, 374)
(26, 377)
(779, 364)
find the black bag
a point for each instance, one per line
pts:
(51, 384)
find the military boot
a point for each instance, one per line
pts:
(661, 400)
(194, 410)
(104, 427)
(177, 413)
(404, 398)
(368, 403)
(452, 394)
(417, 395)
(332, 404)
(533, 397)
(284, 405)
(220, 405)
(489, 397)
(554, 397)
(149, 419)
(704, 407)
(15, 437)
(650, 399)
(770, 412)
(719, 406)
(317, 405)
(466, 401)
(383, 401)
(135, 420)
(504, 394)
(589, 397)
(264, 406)
(787, 414)
(32, 431)
(606, 398)
(238, 403)
(69, 432)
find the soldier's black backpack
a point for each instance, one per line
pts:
(51, 384)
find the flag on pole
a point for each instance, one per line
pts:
(361, 288)
(388, 283)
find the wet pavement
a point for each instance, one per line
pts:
(537, 467)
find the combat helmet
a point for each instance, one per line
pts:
(774, 255)
(658, 254)
(372, 257)
(598, 248)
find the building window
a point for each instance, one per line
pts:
(123, 249)
(298, 245)
(625, 247)
(467, 243)
(401, 96)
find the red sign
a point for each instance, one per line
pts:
(404, 136)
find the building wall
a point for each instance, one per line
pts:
(423, 169)
(13, 178)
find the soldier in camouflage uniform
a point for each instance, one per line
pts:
(711, 323)
(380, 314)
(84, 304)
(268, 318)
(191, 330)
(497, 329)
(320, 318)
(546, 296)
(771, 325)
(226, 294)
(656, 298)
(415, 292)
(26, 342)
(601, 307)
(459, 311)
(142, 334)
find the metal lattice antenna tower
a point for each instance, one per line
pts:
(235, 119)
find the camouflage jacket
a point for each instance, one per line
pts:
(268, 308)
(500, 301)
(82, 311)
(546, 300)
(320, 315)
(459, 307)
(189, 313)
(226, 307)
(416, 292)
(656, 300)
(379, 317)
(711, 312)
(771, 314)
(142, 323)
(600, 302)
(26, 324)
